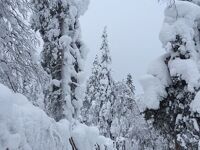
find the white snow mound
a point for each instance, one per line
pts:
(26, 127)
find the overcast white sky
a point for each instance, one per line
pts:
(133, 28)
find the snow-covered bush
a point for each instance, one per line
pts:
(26, 127)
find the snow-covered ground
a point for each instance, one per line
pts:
(26, 127)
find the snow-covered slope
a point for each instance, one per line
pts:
(26, 127)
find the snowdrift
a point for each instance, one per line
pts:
(26, 127)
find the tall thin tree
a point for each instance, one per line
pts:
(63, 54)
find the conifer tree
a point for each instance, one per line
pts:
(175, 83)
(99, 94)
(106, 95)
(91, 107)
(63, 54)
(129, 82)
(128, 128)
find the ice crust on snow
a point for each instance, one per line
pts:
(26, 127)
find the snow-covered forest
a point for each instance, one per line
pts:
(49, 101)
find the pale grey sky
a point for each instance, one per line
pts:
(133, 29)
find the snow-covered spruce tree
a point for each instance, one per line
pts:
(91, 105)
(128, 129)
(99, 94)
(18, 68)
(106, 94)
(63, 54)
(173, 81)
(129, 83)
